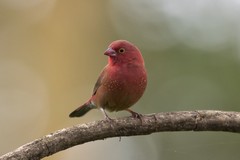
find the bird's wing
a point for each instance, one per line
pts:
(100, 80)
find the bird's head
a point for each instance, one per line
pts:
(122, 51)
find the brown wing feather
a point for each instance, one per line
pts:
(100, 80)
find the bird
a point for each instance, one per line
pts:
(121, 83)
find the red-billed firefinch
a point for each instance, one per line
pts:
(121, 83)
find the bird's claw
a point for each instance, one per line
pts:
(136, 115)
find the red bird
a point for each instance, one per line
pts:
(121, 83)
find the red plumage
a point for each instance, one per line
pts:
(121, 83)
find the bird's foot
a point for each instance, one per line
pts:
(135, 114)
(106, 116)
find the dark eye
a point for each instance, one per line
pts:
(121, 50)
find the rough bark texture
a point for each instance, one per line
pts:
(127, 126)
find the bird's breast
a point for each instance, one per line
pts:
(123, 87)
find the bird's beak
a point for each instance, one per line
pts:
(110, 52)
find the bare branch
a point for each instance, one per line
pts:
(127, 126)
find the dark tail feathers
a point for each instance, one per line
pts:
(80, 111)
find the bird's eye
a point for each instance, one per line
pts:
(121, 50)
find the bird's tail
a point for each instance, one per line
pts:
(80, 111)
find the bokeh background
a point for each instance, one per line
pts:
(51, 53)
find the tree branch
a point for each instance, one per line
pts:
(171, 121)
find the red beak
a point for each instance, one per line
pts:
(110, 52)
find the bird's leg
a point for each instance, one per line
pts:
(134, 114)
(105, 114)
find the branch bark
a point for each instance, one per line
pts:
(205, 120)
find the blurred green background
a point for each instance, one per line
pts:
(51, 53)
